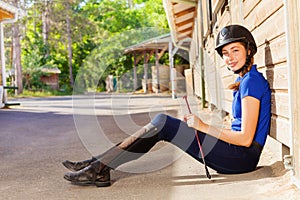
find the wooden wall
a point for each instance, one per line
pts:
(267, 23)
(265, 19)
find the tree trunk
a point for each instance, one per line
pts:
(70, 53)
(46, 23)
(17, 57)
(16, 54)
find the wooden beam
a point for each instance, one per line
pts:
(5, 15)
(190, 29)
(191, 20)
(139, 58)
(189, 2)
(148, 56)
(184, 36)
(185, 12)
(163, 51)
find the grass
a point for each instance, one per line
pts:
(42, 93)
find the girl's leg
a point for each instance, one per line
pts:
(220, 156)
(133, 147)
(223, 157)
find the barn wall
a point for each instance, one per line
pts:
(265, 19)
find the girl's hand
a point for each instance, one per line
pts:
(193, 121)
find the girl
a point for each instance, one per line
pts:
(228, 151)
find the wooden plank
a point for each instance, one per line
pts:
(205, 18)
(262, 11)
(5, 14)
(181, 7)
(226, 82)
(227, 106)
(208, 63)
(189, 82)
(210, 78)
(228, 96)
(278, 77)
(223, 21)
(214, 4)
(237, 14)
(273, 53)
(248, 6)
(197, 80)
(270, 29)
(211, 95)
(280, 104)
(280, 128)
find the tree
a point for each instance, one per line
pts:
(126, 25)
(70, 34)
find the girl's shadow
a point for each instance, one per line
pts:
(275, 170)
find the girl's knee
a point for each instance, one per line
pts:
(159, 119)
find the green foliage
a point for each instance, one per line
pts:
(100, 31)
(109, 57)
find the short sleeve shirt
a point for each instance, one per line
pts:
(255, 85)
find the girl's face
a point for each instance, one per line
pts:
(234, 55)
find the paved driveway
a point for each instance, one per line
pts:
(37, 136)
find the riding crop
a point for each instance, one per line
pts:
(198, 141)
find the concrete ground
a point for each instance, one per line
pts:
(38, 135)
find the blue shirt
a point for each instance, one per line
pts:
(255, 85)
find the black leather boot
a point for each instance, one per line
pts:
(95, 174)
(133, 147)
(76, 166)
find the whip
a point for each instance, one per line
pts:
(198, 141)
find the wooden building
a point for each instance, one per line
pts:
(275, 26)
(163, 77)
(50, 77)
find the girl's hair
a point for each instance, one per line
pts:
(249, 62)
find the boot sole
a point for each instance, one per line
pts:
(90, 183)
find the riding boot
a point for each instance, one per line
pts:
(133, 147)
(76, 166)
(95, 174)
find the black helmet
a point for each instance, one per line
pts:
(235, 33)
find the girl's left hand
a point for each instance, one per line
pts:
(193, 121)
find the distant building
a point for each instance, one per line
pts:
(50, 77)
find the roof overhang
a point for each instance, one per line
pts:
(160, 43)
(181, 16)
(7, 11)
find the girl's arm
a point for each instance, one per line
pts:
(250, 112)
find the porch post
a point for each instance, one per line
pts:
(145, 72)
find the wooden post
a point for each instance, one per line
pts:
(171, 61)
(134, 72)
(157, 70)
(146, 71)
(293, 39)
(3, 62)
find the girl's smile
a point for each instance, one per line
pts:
(234, 55)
